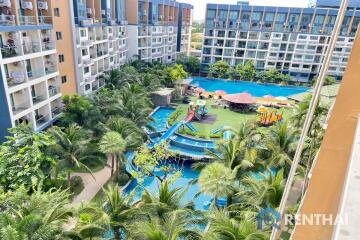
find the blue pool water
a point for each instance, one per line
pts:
(160, 117)
(188, 174)
(255, 89)
(193, 142)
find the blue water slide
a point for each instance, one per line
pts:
(217, 130)
(191, 127)
(167, 134)
(227, 135)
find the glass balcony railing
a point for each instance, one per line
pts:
(34, 74)
(41, 120)
(50, 69)
(54, 90)
(10, 50)
(27, 20)
(56, 111)
(38, 98)
(45, 20)
(46, 46)
(19, 107)
(31, 48)
(7, 20)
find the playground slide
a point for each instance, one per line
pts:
(191, 127)
(189, 117)
(227, 135)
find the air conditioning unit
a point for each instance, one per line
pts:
(145, 13)
(27, 5)
(43, 5)
(161, 16)
(103, 12)
(89, 10)
(86, 22)
(5, 3)
(171, 18)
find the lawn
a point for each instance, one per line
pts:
(224, 117)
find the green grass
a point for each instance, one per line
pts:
(224, 117)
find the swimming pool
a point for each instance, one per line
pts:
(160, 116)
(188, 175)
(255, 89)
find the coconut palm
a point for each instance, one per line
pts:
(71, 148)
(217, 180)
(175, 225)
(114, 145)
(223, 227)
(281, 142)
(40, 215)
(112, 78)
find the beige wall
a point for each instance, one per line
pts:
(65, 46)
(132, 11)
(326, 185)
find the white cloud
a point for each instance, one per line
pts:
(200, 5)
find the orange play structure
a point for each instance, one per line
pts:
(270, 118)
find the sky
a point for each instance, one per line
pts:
(200, 5)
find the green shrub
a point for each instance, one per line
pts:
(123, 178)
(201, 135)
(174, 116)
(76, 185)
(216, 135)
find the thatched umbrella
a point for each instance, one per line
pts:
(240, 98)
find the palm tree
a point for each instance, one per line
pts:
(40, 215)
(114, 145)
(223, 227)
(217, 180)
(174, 226)
(71, 147)
(112, 78)
(281, 142)
(119, 210)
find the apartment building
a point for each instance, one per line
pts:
(292, 40)
(159, 29)
(100, 41)
(30, 82)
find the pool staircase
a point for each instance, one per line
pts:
(191, 127)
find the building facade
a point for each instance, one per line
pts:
(100, 41)
(159, 29)
(292, 40)
(29, 71)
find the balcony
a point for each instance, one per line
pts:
(50, 69)
(20, 107)
(7, 20)
(38, 98)
(55, 112)
(53, 90)
(30, 47)
(45, 20)
(46, 46)
(10, 50)
(15, 78)
(41, 119)
(35, 74)
(27, 20)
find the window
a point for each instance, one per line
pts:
(256, 16)
(61, 58)
(56, 12)
(269, 17)
(83, 33)
(86, 70)
(211, 14)
(280, 17)
(84, 52)
(58, 35)
(63, 79)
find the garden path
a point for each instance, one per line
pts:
(92, 183)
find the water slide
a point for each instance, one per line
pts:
(190, 116)
(191, 127)
(167, 134)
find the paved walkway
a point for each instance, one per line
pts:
(92, 183)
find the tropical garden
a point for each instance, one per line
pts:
(38, 185)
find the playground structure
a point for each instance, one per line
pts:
(197, 111)
(269, 118)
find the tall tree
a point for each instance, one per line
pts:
(219, 69)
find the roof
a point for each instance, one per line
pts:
(240, 98)
(328, 94)
(186, 81)
(164, 91)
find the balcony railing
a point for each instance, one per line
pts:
(27, 20)
(15, 78)
(38, 98)
(31, 48)
(46, 46)
(55, 112)
(41, 120)
(34, 74)
(50, 69)
(54, 90)
(10, 50)
(45, 20)
(7, 20)
(18, 108)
